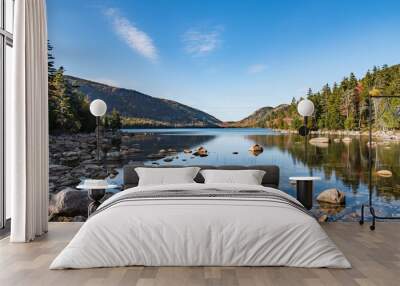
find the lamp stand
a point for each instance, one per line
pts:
(98, 138)
(369, 205)
(306, 138)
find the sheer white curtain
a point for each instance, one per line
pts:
(27, 124)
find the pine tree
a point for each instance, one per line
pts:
(325, 95)
(60, 105)
(333, 118)
(355, 100)
(50, 62)
(68, 108)
(296, 123)
(115, 120)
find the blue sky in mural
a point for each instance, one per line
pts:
(227, 58)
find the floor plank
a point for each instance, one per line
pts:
(375, 257)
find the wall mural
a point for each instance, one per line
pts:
(183, 88)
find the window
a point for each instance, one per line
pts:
(6, 43)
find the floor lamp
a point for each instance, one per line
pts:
(373, 94)
(306, 109)
(98, 108)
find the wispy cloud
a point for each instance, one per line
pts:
(136, 39)
(256, 68)
(201, 42)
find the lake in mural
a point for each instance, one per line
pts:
(341, 165)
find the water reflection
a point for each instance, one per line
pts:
(342, 165)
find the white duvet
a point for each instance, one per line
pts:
(203, 232)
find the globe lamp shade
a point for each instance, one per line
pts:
(305, 107)
(98, 107)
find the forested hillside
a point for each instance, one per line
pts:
(139, 109)
(343, 105)
(69, 101)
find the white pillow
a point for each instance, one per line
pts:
(248, 177)
(166, 176)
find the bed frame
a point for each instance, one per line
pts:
(271, 177)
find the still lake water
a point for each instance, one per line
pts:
(340, 165)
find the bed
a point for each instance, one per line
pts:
(197, 224)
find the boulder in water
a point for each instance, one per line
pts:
(256, 149)
(319, 140)
(332, 196)
(320, 145)
(331, 209)
(384, 173)
(201, 151)
(69, 202)
(323, 218)
(347, 140)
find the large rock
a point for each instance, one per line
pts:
(85, 156)
(320, 145)
(58, 169)
(201, 151)
(331, 209)
(70, 158)
(114, 156)
(126, 151)
(319, 140)
(346, 140)
(332, 196)
(384, 173)
(69, 202)
(79, 218)
(256, 149)
(65, 180)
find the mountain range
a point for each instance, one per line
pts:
(142, 110)
(259, 117)
(139, 109)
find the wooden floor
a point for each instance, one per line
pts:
(375, 257)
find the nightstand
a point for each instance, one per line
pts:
(304, 187)
(95, 194)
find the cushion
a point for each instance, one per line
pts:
(247, 177)
(166, 176)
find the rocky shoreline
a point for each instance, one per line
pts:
(72, 158)
(382, 135)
